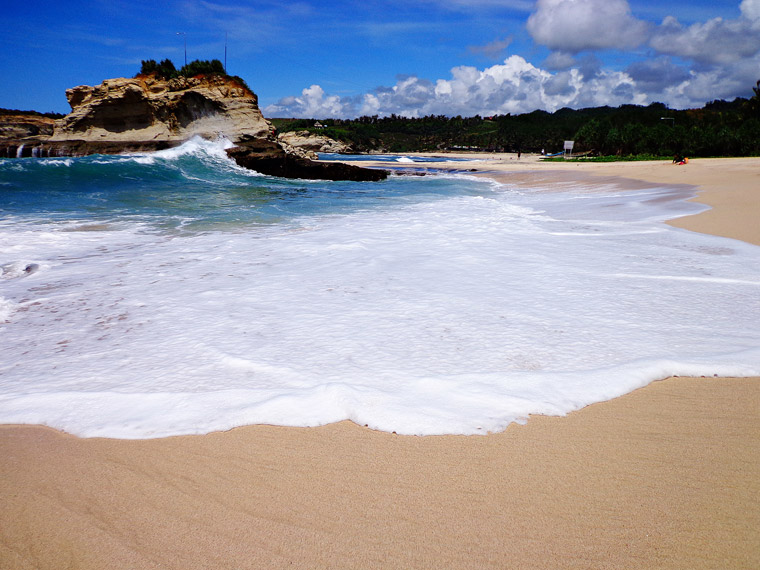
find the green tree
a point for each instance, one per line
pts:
(753, 105)
(163, 70)
(202, 67)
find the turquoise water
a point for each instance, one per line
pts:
(193, 187)
(177, 293)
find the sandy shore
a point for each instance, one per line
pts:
(665, 477)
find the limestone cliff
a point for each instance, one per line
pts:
(146, 112)
(20, 126)
(21, 133)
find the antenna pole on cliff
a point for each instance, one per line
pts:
(184, 35)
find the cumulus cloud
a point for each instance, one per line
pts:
(655, 75)
(559, 60)
(514, 86)
(724, 54)
(716, 41)
(573, 26)
(719, 82)
(313, 102)
(750, 9)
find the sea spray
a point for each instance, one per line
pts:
(176, 294)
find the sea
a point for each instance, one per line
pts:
(176, 293)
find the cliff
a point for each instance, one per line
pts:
(21, 132)
(146, 114)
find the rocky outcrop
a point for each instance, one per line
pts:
(268, 157)
(146, 111)
(25, 126)
(146, 114)
(141, 114)
(308, 144)
(22, 133)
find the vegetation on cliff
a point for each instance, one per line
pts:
(720, 128)
(167, 70)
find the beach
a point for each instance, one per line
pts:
(664, 477)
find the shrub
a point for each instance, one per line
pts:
(203, 67)
(163, 70)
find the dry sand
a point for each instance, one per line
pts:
(665, 477)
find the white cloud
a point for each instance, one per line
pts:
(571, 78)
(654, 76)
(560, 60)
(750, 9)
(514, 86)
(311, 104)
(716, 41)
(720, 82)
(578, 25)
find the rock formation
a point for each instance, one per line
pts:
(268, 157)
(146, 113)
(309, 144)
(21, 133)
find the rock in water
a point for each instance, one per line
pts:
(268, 157)
(308, 144)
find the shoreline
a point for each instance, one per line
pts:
(733, 210)
(665, 476)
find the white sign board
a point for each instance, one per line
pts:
(569, 145)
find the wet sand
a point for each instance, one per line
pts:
(665, 477)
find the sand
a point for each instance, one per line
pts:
(665, 477)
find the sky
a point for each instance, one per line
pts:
(343, 59)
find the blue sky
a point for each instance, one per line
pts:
(412, 57)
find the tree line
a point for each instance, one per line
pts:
(720, 128)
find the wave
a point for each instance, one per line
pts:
(453, 316)
(196, 159)
(170, 293)
(195, 180)
(196, 154)
(192, 187)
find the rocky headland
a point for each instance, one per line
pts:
(147, 113)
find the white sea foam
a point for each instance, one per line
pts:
(197, 146)
(458, 315)
(63, 162)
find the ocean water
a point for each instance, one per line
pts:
(176, 293)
